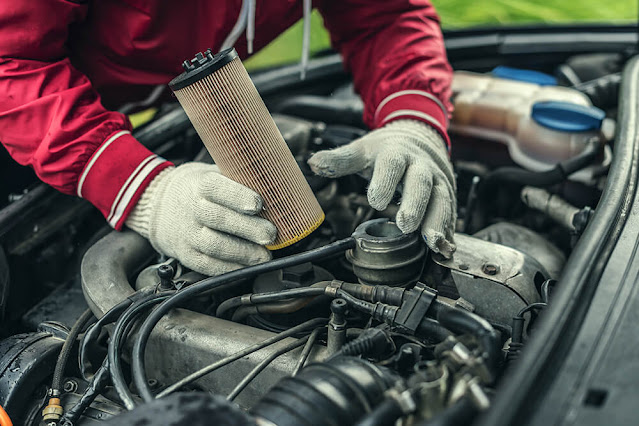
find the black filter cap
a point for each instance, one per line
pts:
(204, 64)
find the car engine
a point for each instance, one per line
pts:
(357, 323)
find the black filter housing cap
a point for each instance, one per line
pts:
(202, 65)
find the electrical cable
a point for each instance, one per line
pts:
(115, 359)
(263, 364)
(231, 358)
(517, 336)
(545, 289)
(307, 350)
(532, 306)
(137, 356)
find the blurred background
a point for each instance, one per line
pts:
(463, 14)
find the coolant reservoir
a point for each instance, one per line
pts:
(541, 125)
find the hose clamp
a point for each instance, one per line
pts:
(333, 287)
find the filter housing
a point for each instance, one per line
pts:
(231, 119)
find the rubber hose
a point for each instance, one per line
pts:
(460, 413)
(114, 356)
(464, 322)
(316, 289)
(65, 352)
(432, 330)
(96, 386)
(548, 178)
(603, 91)
(384, 414)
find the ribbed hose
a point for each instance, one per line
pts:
(338, 393)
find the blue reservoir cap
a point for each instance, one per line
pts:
(528, 76)
(567, 117)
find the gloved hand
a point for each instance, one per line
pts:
(205, 220)
(410, 154)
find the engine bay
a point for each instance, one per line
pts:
(357, 323)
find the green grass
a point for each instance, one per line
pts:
(462, 13)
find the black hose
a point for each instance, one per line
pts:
(96, 386)
(384, 414)
(115, 344)
(432, 330)
(463, 322)
(92, 334)
(94, 331)
(272, 296)
(556, 175)
(137, 356)
(65, 352)
(461, 412)
(603, 91)
(321, 108)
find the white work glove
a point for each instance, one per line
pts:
(410, 154)
(205, 220)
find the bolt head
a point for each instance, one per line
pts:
(490, 269)
(70, 386)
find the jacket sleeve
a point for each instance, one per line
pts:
(52, 120)
(395, 51)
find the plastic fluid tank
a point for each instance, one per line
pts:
(541, 125)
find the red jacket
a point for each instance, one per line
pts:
(65, 63)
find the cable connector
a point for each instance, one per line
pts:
(375, 293)
(415, 304)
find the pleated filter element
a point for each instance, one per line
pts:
(231, 119)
